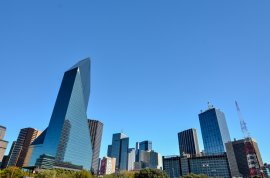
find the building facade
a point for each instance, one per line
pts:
(107, 166)
(3, 143)
(188, 142)
(171, 165)
(119, 150)
(144, 146)
(214, 130)
(24, 140)
(238, 158)
(67, 137)
(96, 128)
(149, 159)
(131, 158)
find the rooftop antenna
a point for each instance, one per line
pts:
(210, 106)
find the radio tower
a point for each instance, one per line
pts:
(253, 163)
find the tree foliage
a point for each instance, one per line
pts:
(151, 173)
(194, 176)
(12, 172)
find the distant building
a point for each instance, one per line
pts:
(67, 137)
(171, 165)
(149, 159)
(238, 159)
(119, 150)
(107, 166)
(131, 159)
(96, 128)
(211, 165)
(144, 146)
(188, 142)
(6, 157)
(3, 143)
(24, 140)
(214, 130)
(266, 170)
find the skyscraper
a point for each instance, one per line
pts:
(142, 146)
(3, 143)
(66, 141)
(214, 130)
(119, 150)
(171, 165)
(25, 138)
(107, 166)
(188, 142)
(96, 128)
(6, 157)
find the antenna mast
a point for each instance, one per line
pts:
(242, 122)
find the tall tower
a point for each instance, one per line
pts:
(25, 138)
(188, 142)
(214, 130)
(66, 141)
(95, 128)
(119, 150)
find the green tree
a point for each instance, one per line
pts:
(194, 176)
(12, 172)
(46, 174)
(83, 174)
(151, 173)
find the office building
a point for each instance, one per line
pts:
(3, 143)
(214, 130)
(6, 157)
(148, 159)
(171, 165)
(131, 158)
(119, 150)
(24, 140)
(96, 128)
(240, 161)
(67, 137)
(210, 165)
(107, 166)
(188, 142)
(144, 145)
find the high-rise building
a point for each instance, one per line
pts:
(142, 146)
(3, 143)
(95, 128)
(67, 137)
(131, 159)
(107, 165)
(6, 157)
(171, 165)
(214, 130)
(119, 150)
(188, 142)
(149, 159)
(24, 140)
(238, 158)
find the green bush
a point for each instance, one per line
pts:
(12, 172)
(151, 173)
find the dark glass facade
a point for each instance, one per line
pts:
(188, 142)
(67, 137)
(95, 128)
(171, 165)
(119, 150)
(214, 130)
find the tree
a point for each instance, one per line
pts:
(194, 176)
(12, 172)
(151, 173)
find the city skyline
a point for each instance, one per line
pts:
(156, 68)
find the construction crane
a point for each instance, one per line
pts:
(252, 159)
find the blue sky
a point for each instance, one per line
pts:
(155, 65)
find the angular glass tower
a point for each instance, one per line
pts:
(215, 131)
(67, 137)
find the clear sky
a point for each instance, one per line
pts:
(155, 65)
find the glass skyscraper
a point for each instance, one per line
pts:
(188, 142)
(214, 130)
(119, 150)
(66, 141)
